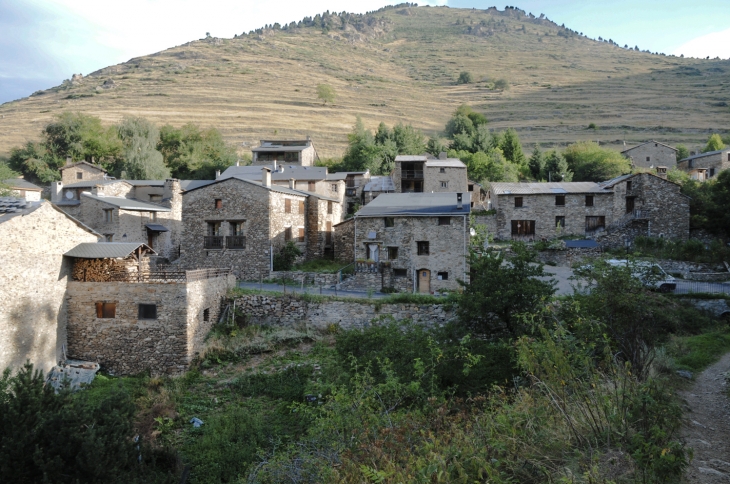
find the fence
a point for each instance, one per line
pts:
(695, 287)
(164, 276)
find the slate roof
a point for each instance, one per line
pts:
(282, 145)
(541, 188)
(274, 188)
(415, 204)
(192, 184)
(93, 183)
(128, 203)
(702, 155)
(411, 158)
(646, 143)
(82, 163)
(448, 162)
(157, 228)
(21, 184)
(379, 184)
(16, 206)
(289, 171)
(146, 183)
(107, 250)
(342, 175)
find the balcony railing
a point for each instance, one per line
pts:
(165, 276)
(411, 174)
(236, 242)
(213, 241)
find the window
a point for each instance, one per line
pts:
(648, 158)
(79, 175)
(108, 215)
(218, 203)
(301, 234)
(442, 170)
(560, 222)
(444, 184)
(559, 200)
(214, 228)
(287, 234)
(630, 204)
(287, 205)
(147, 311)
(444, 220)
(422, 247)
(712, 172)
(108, 237)
(236, 228)
(301, 206)
(589, 200)
(728, 157)
(350, 192)
(442, 276)
(628, 186)
(106, 310)
(334, 187)
(392, 253)
(389, 222)
(328, 234)
(518, 201)
(206, 314)
(400, 272)
(595, 223)
(471, 188)
(329, 208)
(523, 227)
(310, 186)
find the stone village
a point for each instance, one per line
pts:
(131, 273)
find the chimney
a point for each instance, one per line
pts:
(442, 155)
(266, 176)
(238, 162)
(459, 204)
(56, 191)
(292, 183)
(69, 161)
(661, 172)
(172, 195)
(217, 174)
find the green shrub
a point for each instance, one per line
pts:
(285, 257)
(465, 78)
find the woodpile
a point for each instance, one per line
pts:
(102, 270)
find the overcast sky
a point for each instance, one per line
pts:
(43, 42)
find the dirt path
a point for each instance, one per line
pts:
(707, 425)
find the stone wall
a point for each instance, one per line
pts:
(33, 282)
(290, 311)
(88, 172)
(344, 238)
(489, 221)
(316, 278)
(126, 344)
(568, 257)
(657, 154)
(455, 178)
(119, 188)
(279, 220)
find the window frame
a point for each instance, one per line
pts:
(559, 199)
(392, 252)
(389, 222)
(560, 221)
(400, 272)
(442, 276)
(106, 310)
(288, 233)
(108, 215)
(442, 170)
(445, 219)
(141, 313)
(444, 184)
(334, 187)
(217, 203)
(287, 205)
(79, 175)
(302, 208)
(423, 247)
(519, 202)
(330, 207)
(628, 186)
(590, 201)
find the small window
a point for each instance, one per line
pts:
(589, 200)
(108, 237)
(334, 187)
(422, 247)
(214, 228)
(560, 222)
(106, 310)
(147, 311)
(311, 186)
(79, 175)
(628, 185)
(442, 276)
(108, 215)
(400, 272)
(518, 201)
(728, 157)
(206, 314)
(712, 172)
(301, 234)
(648, 158)
(444, 184)
(287, 234)
(301, 206)
(329, 208)
(471, 188)
(559, 200)
(235, 228)
(444, 220)
(392, 253)
(287, 205)
(389, 222)
(442, 170)
(218, 203)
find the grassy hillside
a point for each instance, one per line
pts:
(401, 65)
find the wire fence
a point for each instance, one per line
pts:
(694, 287)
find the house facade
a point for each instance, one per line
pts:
(33, 313)
(426, 174)
(417, 241)
(81, 171)
(651, 155)
(289, 152)
(705, 166)
(21, 188)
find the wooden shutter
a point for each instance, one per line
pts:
(99, 310)
(301, 206)
(287, 205)
(311, 186)
(301, 234)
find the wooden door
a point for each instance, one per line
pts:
(424, 281)
(151, 239)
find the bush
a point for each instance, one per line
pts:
(285, 257)
(501, 84)
(465, 78)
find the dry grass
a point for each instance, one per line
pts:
(262, 86)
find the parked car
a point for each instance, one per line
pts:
(650, 274)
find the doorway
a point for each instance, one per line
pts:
(424, 281)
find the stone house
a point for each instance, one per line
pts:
(639, 204)
(355, 183)
(24, 189)
(705, 166)
(415, 242)
(131, 319)
(424, 173)
(289, 152)
(33, 311)
(376, 186)
(239, 223)
(312, 179)
(81, 171)
(652, 154)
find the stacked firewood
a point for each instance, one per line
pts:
(101, 270)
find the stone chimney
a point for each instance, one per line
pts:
(292, 183)
(266, 176)
(69, 161)
(661, 172)
(459, 204)
(56, 191)
(217, 174)
(442, 155)
(238, 162)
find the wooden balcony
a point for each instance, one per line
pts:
(411, 174)
(213, 241)
(236, 242)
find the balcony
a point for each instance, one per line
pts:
(213, 241)
(411, 174)
(236, 242)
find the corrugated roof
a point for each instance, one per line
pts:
(21, 184)
(379, 184)
(504, 188)
(646, 143)
(448, 162)
(107, 250)
(702, 155)
(415, 204)
(128, 203)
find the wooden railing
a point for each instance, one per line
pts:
(165, 276)
(213, 241)
(411, 174)
(236, 242)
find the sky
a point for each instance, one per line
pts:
(44, 42)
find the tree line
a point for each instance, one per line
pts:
(135, 149)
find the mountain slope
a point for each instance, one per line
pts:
(401, 65)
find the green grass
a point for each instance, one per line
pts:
(317, 298)
(327, 266)
(697, 352)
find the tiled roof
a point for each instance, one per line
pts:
(415, 204)
(107, 250)
(128, 203)
(555, 188)
(21, 184)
